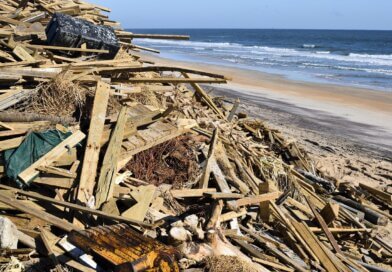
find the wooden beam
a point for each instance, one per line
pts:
(109, 168)
(325, 229)
(207, 167)
(62, 48)
(223, 195)
(62, 224)
(231, 215)
(75, 207)
(254, 200)
(143, 195)
(93, 147)
(159, 69)
(57, 171)
(264, 209)
(377, 193)
(184, 193)
(22, 54)
(11, 143)
(330, 213)
(175, 80)
(315, 246)
(31, 172)
(272, 264)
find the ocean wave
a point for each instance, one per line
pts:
(274, 53)
(350, 68)
(385, 57)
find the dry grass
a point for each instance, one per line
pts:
(173, 162)
(226, 264)
(60, 97)
(146, 97)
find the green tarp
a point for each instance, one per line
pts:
(34, 146)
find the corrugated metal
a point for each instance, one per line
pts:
(126, 249)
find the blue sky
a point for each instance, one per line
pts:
(302, 14)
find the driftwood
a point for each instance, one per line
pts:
(32, 117)
(187, 171)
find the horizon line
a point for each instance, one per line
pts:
(235, 28)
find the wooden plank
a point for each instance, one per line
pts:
(143, 195)
(207, 168)
(48, 247)
(64, 183)
(377, 193)
(338, 230)
(6, 126)
(272, 247)
(313, 244)
(62, 48)
(62, 224)
(75, 207)
(57, 171)
(109, 166)
(31, 172)
(223, 195)
(15, 132)
(286, 219)
(252, 200)
(11, 143)
(325, 229)
(22, 54)
(330, 213)
(93, 147)
(272, 264)
(174, 80)
(184, 193)
(264, 209)
(231, 215)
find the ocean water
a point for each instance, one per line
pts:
(344, 57)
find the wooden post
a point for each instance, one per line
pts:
(207, 168)
(109, 169)
(93, 147)
(264, 211)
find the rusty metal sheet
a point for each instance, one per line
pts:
(126, 249)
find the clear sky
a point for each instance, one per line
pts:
(301, 14)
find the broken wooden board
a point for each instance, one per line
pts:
(93, 146)
(109, 167)
(12, 97)
(143, 195)
(184, 193)
(31, 172)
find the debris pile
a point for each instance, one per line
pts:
(112, 163)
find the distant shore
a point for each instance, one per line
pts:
(345, 128)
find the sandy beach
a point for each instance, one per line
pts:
(349, 128)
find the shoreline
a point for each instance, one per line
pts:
(347, 131)
(370, 108)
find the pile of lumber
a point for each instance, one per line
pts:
(124, 165)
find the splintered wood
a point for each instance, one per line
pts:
(231, 190)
